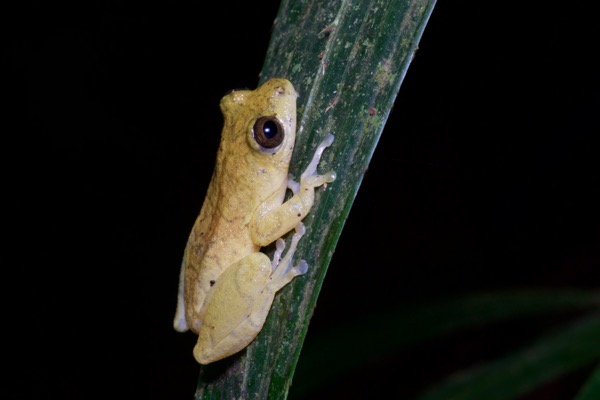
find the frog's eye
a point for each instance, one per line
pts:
(268, 132)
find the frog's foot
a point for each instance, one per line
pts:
(283, 270)
(310, 177)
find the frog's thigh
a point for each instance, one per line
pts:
(236, 309)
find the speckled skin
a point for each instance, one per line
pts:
(226, 285)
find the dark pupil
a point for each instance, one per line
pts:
(270, 129)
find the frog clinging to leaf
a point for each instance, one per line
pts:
(227, 285)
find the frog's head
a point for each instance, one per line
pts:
(263, 119)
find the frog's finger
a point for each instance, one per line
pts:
(311, 169)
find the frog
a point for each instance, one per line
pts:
(226, 284)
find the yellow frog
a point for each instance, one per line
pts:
(226, 284)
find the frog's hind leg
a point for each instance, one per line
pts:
(240, 300)
(235, 309)
(283, 270)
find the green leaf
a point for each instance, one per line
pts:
(327, 358)
(519, 373)
(347, 61)
(591, 390)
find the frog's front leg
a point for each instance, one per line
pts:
(238, 304)
(269, 224)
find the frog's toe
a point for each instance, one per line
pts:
(328, 140)
(329, 176)
(300, 229)
(279, 247)
(301, 268)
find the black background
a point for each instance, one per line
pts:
(485, 177)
